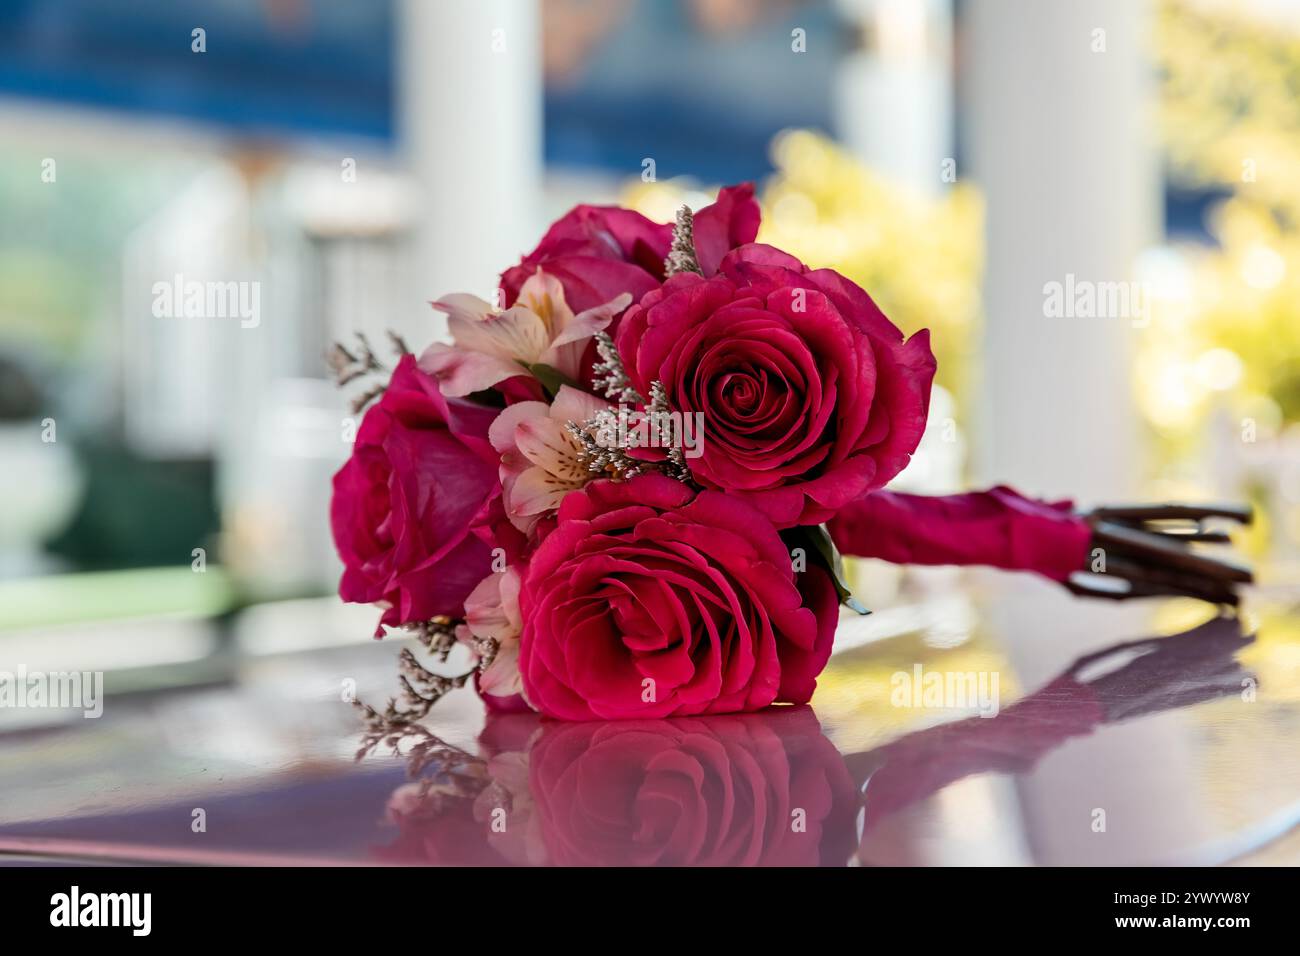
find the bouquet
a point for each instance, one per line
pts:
(625, 490)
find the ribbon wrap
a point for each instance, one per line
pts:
(999, 528)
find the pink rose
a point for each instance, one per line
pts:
(650, 600)
(761, 790)
(412, 506)
(810, 397)
(600, 252)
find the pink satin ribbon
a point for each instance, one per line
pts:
(999, 528)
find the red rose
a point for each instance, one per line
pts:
(412, 505)
(761, 790)
(810, 397)
(648, 600)
(600, 252)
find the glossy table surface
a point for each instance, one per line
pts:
(977, 719)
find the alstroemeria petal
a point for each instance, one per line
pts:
(516, 334)
(546, 443)
(567, 349)
(501, 679)
(575, 405)
(537, 492)
(484, 614)
(511, 583)
(460, 372)
(501, 433)
(543, 295)
(464, 306)
(586, 324)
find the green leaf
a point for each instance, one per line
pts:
(816, 542)
(551, 378)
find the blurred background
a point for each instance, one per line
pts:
(165, 480)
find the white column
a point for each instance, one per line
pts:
(893, 98)
(1057, 124)
(1057, 130)
(471, 132)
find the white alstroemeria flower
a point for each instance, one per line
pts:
(492, 619)
(490, 346)
(540, 461)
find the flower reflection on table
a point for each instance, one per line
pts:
(755, 790)
(758, 789)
